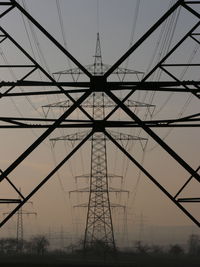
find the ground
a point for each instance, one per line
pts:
(120, 261)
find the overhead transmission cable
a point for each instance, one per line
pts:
(167, 33)
(73, 78)
(164, 41)
(162, 46)
(125, 161)
(69, 62)
(135, 20)
(63, 34)
(133, 30)
(187, 102)
(165, 46)
(12, 73)
(42, 59)
(36, 41)
(189, 98)
(44, 63)
(39, 52)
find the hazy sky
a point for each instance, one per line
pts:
(114, 20)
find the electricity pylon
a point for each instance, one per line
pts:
(182, 196)
(99, 225)
(20, 225)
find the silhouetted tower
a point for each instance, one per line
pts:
(20, 226)
(20, 229)
(99, 225)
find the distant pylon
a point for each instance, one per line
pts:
(20, 230)
(99, 225)
(20, 225)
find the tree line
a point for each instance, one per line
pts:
(39, 245)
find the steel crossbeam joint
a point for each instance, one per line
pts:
(98, 83)
(98, 126)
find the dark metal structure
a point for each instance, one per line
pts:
(99, 124)
(20, 226)
(99, 226)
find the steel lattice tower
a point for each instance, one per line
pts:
(99, 219)
(20, 225)
(99, 226)
(20, 230)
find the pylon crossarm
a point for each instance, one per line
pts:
(191, 2)
(117, 190)
(112, 205)
(189, 200)
(27, 123)
(60, 104)
(91, 69)
(137, 104)
(45, 180)
(109, 175)
(5, 3)
(23, 212)
(9, 201)
(110, 190)
(80, 135)
(71, 137)
(82, 87)
(107, 104)
(153, 180)
(127, 137)
(157, 88)
(81, 190)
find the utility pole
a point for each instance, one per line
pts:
(99, 224)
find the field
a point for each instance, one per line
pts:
(122, 260)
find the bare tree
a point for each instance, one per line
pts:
(176, 250)
(39, 244)
(194, 245)
(8, 245)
